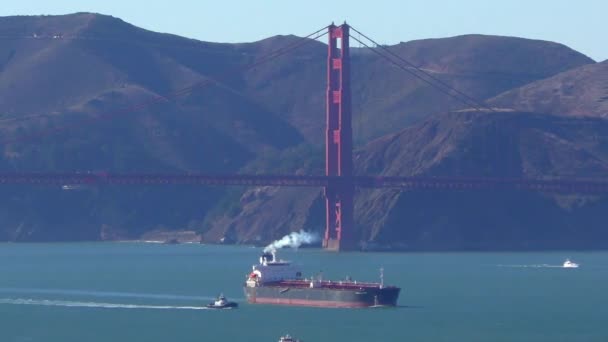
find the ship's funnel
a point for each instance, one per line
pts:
(266, 258)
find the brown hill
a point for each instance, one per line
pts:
(498, 145)
(65, 84)
(87, 67)
(582, 91)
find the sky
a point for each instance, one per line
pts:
(575, 23)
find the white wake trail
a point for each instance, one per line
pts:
(106, 294)
(66, 303)
(533, 266)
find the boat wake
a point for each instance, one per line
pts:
(101, 294)
(75, 304)
(533, 266)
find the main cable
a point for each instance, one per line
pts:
(470, 101)
(466, 102)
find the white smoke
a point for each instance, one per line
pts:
(293, 240)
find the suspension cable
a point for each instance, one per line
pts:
(446, 92)
(468, 100)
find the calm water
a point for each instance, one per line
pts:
(144, 292)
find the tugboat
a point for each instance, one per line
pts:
(222, 303)
(288, 338)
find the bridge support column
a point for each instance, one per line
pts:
(339, 194)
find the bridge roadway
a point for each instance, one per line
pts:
(560, 185)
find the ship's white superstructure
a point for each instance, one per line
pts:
(220, 301)
(272, 270)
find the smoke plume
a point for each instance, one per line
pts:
(293, 240)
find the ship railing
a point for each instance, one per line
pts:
(330, 283)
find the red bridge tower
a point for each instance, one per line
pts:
(339, 193)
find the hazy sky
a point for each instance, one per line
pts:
(576, 23)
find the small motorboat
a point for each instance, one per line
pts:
(288, 338)
(222, 303)
(570, 264)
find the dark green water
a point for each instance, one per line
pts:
(144, 292)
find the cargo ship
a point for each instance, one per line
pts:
(275, 281)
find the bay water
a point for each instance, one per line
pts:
(101, 292)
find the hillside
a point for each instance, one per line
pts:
(68, 86)
(582, 91)
(83, 71)
(72, 92)
(501, 145)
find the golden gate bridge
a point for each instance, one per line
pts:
(339, 181)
